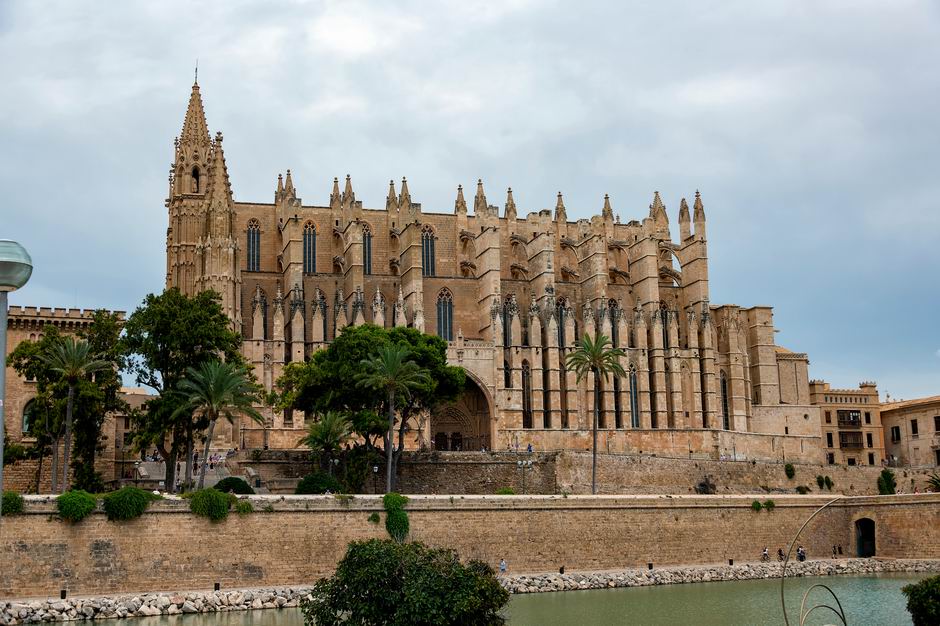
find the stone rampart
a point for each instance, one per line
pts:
(300, 538)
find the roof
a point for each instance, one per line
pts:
(905, 404)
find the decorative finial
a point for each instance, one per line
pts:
(196, 76)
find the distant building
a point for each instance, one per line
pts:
(912, 431)
(851, 423)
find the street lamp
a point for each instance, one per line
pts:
(523, 465)
(15, 269)
(375, 476)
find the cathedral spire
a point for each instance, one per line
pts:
(280, 188)
(219, 186)
(289, 184)
(348, 195)
(560, 214)
(460, 205)
(607, 212)
(658, 209)
(699, 216)
(510, 205)
(195, 129)
(684, 227)
(391, 201)
(335, 198)
(404, 199)
(479, 201)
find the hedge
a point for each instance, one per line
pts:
(75, 505)
(127, 503)
(11, 504)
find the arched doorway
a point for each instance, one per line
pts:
(463, 424)
(865, 537)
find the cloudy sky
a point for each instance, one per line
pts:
(811, 127)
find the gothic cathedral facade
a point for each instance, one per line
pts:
(511, 294)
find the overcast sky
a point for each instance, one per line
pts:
(811, 128)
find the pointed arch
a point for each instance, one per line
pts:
(634, 399)
(310, 248)
(725, 413)
(254, 245)
(366, 249)
(526, 395)
(196, 185)
(427, 251)
(445, 315)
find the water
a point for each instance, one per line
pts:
(866, 600)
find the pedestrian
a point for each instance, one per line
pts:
(502, 566)
(529, 448)
(834, 552)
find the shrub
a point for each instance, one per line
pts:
(384, 582)
(789, 470)
(397, 525)
(829, 483)
(505, 491)
(933, 482)
(211, 503)
(757, 506)
(887, 483)
(11, 504)
(923, 601)
(127, 503)
(234, 484)
(374, 518)
(75, 505)
(803, 490)
(392, 501)
(243, 507)
(318, 482)
(820, 481)
(769, 505)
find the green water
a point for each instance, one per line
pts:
(866, 599)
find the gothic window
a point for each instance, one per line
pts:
(725, 413)
(561, 309)
(310, 248)
(445, 315)
(254, 246)
(367, 250)
(195, 185)
(507, 375)
(546, 399)
(665, 317)
(507, 324)
(427, 251)
(634, 400)
(614, 330)
(526, 395)
(618, 404)
(29, 415)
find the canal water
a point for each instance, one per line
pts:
(866, 600)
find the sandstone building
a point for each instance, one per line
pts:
(511, 291)
(851, 423)
(912, 431)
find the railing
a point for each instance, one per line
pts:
(850, 423)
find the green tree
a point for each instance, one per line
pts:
(923, 601)
(165, 336)
(326, 436)
(595, 356)
(406, 584)
(216, 389)
(74, 361)
(887, 483)
(390, 371)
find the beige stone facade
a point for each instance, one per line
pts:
(511, 291)
(912, 431)
(850, 422)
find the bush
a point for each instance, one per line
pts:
(243, 507)
(211, 503)
(829, 483)
(318, 482)
(75, 505)
(127, 503)
(234, 484)
(933, 482)
(803, 490)
(383, 582)
(374, 518)
(887, 484)
(923, 601)
(392, 501)
(396, 519)
(820, 481)
(11, 504)
(769, 505)
(789, 470)
(757, 506)
(505, 491)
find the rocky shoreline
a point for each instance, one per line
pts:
(175, 603)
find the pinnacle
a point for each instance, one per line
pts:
(607, 211)
(479, 201)
(698, 201)
(683, 209)
(195, 129)
(460, 204)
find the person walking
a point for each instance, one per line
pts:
(502, 567)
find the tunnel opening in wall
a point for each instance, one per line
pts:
(865, 537)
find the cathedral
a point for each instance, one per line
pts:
(511, 292)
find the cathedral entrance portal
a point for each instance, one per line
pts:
(463, 424)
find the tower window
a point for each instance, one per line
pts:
(427, 251)
(367, 251)
(254, 246)
(445, 315)
(725, 413)
(526, 395)
(310, 248)
(634, 400)
(196, 188)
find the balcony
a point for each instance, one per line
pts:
(849, 423)
(850, 441)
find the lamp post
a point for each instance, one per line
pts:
(375, 474)
(15, 269)
(523, 465)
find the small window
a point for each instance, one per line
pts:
(831, 458)
(936, 423)
(828, 440)
(254, 246)
(867, 417)
(310, 248)
(786, 430)
(850, 461)
(871, 458)
(914, 428)
(828, 417)
(367, 251)
(29, 415)
(869, 440)
(127, 422)
(895, 434)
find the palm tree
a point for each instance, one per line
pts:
(72, 358)
(596, 357)
(389, 370)
(217, 389)
(327, 435)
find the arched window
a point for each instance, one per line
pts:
(427, 251)
(561, 310)
(367, 250)
(665, 317)
(507, 325)
(634, 400)
(526, 395)
(614, 330)
(254, 246)
(618, 404)
(445, 315)
(29, 415)
(196, 182)
(507, 375)
(725, 414)
(310, 248)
